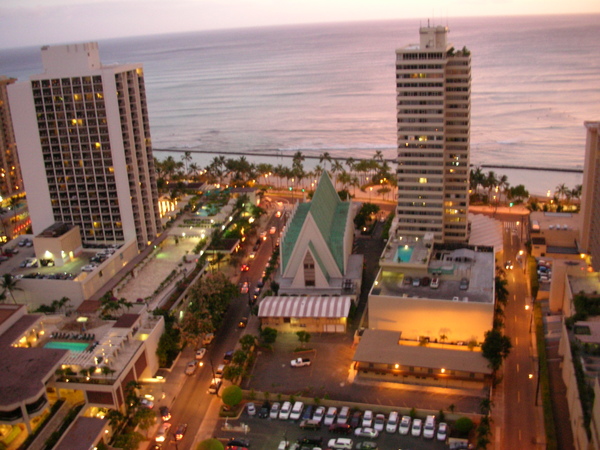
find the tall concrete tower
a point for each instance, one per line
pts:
(590, 198)
(433, 86)
(84, 142)
(11, 182)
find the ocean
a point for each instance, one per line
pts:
(331, 88)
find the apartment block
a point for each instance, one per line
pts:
(433, 87)
(590, 200)
(82, 128)
(11, 182)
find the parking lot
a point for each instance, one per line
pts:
(268, 433)
(330, 376)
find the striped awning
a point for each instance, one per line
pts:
(334, 307)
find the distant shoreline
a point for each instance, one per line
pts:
(288, 154)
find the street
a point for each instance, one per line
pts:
(520, 429)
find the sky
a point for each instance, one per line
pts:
(42, 22)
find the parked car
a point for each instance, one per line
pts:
(340, 443)
(285, 411)
(165, 414)
(251, 409)
(220, 370)
(367, 445)
(355, 419)
(379, 424)
(330, 415)
(274, 413)
(417, 425)
(162, 432)
(435, 283)
(407, 281)
(340, 428)
(464, 284)
(180, 431)
(147, 403)
(200, 353)
(367, 419)
(300, 362)
(208, 338)
(416, 282)
(425, 281)
(313, 441)
(344, 415)
(442, 432)
(319, 414)
(429, 428)
(404, 426)
(190, 368)
(296, 410)
(307, 412)
(227, 357)
(215, 385)
(310, 425)
(392, 423)
(30, 262)
(263, 412)
(238, 442)
(88, 268)
(366, 432)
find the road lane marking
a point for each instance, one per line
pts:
(519, 398)
(518, 367)
(516, 342)
(519, 434)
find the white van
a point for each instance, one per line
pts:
(429, 428)
(296, 411)
(392, 423)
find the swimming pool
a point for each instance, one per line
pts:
(404, 253)
(62, 345)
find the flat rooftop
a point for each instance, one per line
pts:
(450, 266)
(384, 347)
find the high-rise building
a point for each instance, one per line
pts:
(433, 86)
(11, 182)
(590, 198)
(83, 134)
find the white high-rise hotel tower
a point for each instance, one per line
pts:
(84, 142)
(433, 85)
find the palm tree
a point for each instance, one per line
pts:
(476, 179)
(378, 156)
(186, 158)
(9, 284)
(350, 162)
(561, 190)
(490, 183)
(325, 157)
(194, 169)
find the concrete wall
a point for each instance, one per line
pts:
(312, 325)
(416, 317)
(580, 438)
